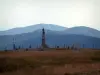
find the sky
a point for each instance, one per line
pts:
(67, 13)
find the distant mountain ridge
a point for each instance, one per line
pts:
(80, 30)
(32, 28)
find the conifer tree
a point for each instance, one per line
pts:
(26, 49)
(30, 46)
(64, 46)
(68, 47)
(57, 46)
(19, 47)
(5, 49)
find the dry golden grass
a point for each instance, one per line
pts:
(55, 62)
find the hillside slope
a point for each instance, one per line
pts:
(52, 38)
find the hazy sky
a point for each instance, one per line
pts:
(68, 13)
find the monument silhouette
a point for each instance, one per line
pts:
(43, 44)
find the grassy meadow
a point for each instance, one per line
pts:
(55, 62)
